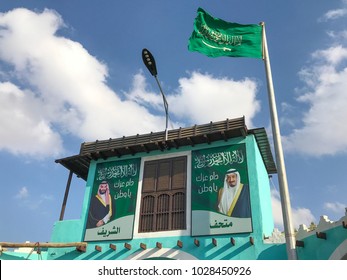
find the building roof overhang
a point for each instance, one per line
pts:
(176, 138)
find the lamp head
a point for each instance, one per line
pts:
(149, 61)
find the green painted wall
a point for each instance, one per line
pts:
(322, 249)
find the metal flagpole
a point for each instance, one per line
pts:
(282, 176)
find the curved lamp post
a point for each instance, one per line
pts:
(149, 61)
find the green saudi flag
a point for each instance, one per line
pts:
(215, 37)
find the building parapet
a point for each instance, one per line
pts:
(277, 237)
(323, 225)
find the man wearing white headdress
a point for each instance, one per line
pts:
(233, 198)
(100, 210)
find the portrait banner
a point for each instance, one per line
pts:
(113, 201)
(220, 191)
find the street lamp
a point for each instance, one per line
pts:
(149, 61)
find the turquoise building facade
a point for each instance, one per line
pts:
(182, 244)
(164, 191)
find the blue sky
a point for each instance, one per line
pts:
(71, 71)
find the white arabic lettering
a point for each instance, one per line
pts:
(217, 159)
(118, 171)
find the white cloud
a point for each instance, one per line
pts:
(302, 216)
(336, 207)
(70, 93)
(22, 194)
(323, 131)
(337, 35)
(332, 56)
(334, 14)
(139, 93)
(63, 91)
(299, 215)
(204, 98)
(23, 129)
(26, 200)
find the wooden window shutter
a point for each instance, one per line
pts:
(163, 212)
(163, 201)
(178, 220)
(163, 175)
(149, 177)
(179, 173)
(147, 213)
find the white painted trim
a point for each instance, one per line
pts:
(161, 253)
